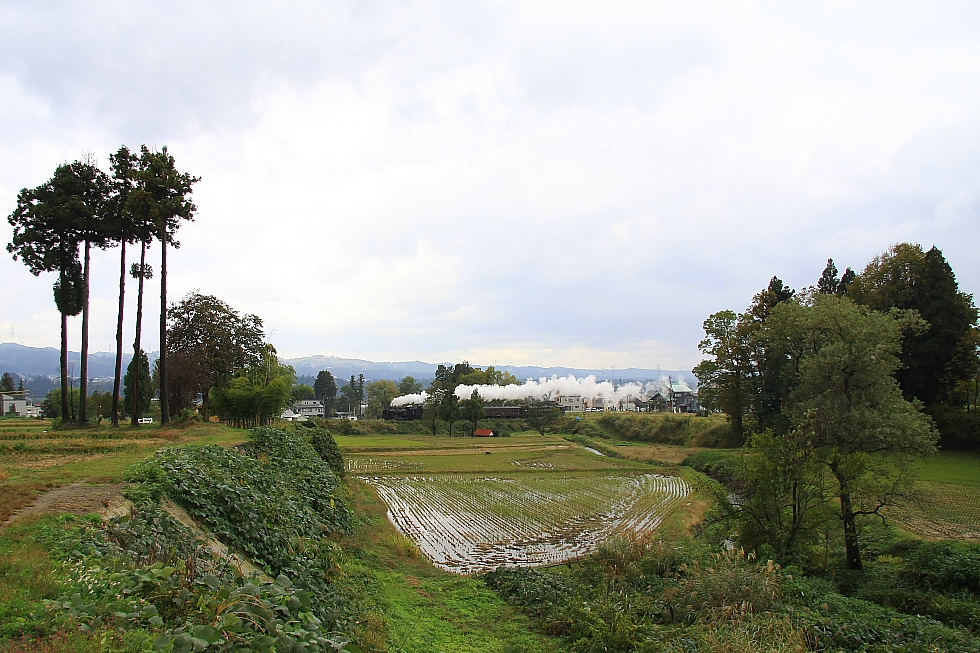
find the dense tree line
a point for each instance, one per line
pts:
(837, 389)
(56, 224)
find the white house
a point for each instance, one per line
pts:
(572, 403)
(10, 405)
(303, 410)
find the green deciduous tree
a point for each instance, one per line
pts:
(380, 394)
(303, 392)
(100, 402)
(449, 409)
(937, 362)
(57, 406)
(906, 277)
(542, 415)
(784, 495)
(472, 409)
(409, 386)
(209, 342)
(726, 380)
(846, 402)
(258, 396)
(431, 411)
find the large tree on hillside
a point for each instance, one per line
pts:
(161, 196)
(845, 403)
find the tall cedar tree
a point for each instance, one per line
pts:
(325, 389)
(88, 189)
(123, 228)
(44, 238)
(905, 277)
(161, 196)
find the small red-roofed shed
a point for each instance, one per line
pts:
(484, 433)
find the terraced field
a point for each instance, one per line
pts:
(522, 501)
(471, 524)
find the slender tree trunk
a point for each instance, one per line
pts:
(134, 397)
(65, 406)
(852, 549)
(83, 383)
(164, 404)
(119, 335)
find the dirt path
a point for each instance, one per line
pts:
(79, 499)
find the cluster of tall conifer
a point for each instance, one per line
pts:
(56, 224)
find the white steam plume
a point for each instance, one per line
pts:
(543, 388)
(408, 400)
(553, 388)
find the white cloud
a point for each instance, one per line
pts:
(551, 185)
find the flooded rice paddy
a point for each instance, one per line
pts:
(470, 524)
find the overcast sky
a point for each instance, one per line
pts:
(568, 183)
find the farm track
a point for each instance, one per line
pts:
(470, 523)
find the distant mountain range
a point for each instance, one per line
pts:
(343, 368)
(46, 361)
(34, 361)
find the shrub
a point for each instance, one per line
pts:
(326, 447)
(723, 466)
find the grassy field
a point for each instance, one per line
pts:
(35, 458)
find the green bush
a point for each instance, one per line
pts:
(326, 447)
(723, 466)
(684, 596)
(661, 428)
(149, 577)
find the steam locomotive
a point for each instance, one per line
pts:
(490, 412)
